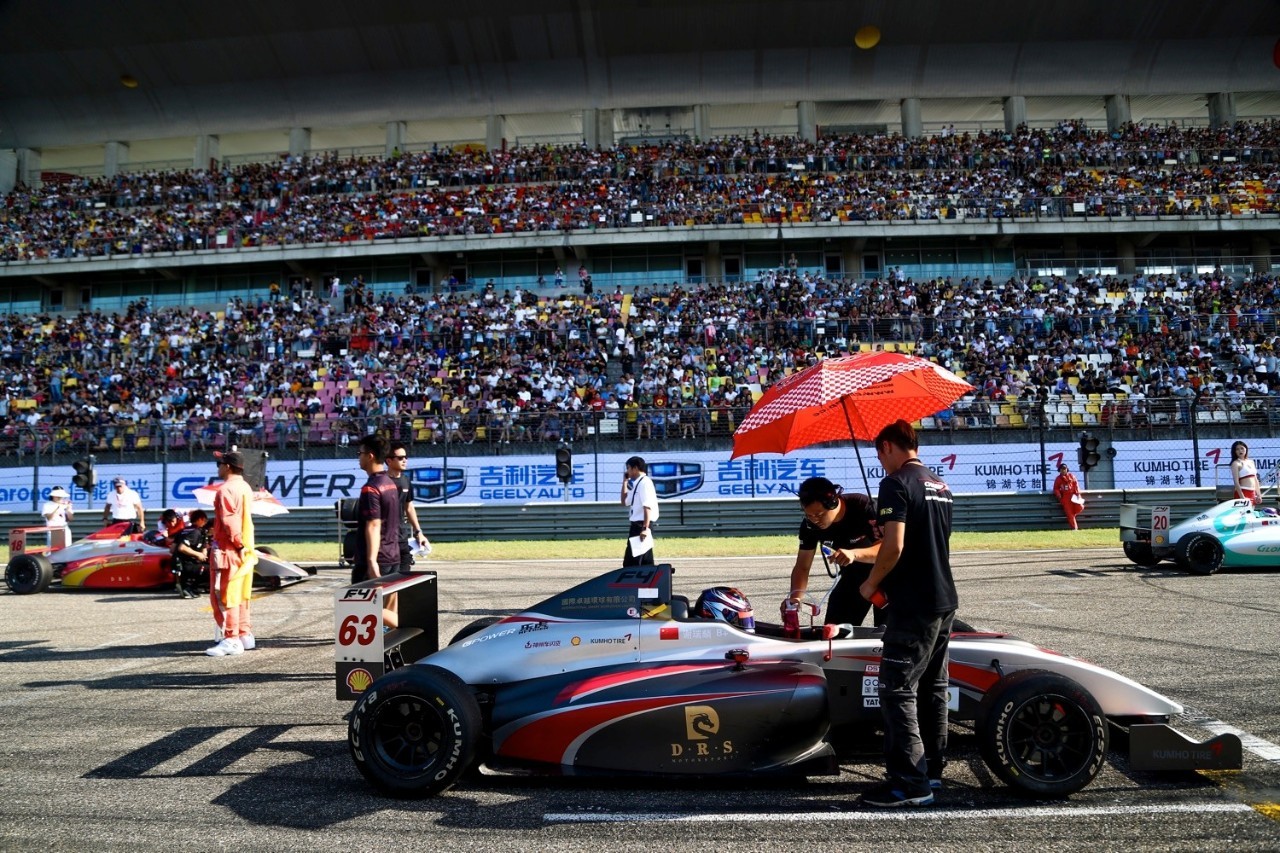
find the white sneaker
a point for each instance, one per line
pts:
(226, 646)
(248, 642)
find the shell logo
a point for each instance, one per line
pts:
(358, 680)
(576, 641)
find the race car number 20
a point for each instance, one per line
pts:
(360, 630)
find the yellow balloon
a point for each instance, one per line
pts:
(867, 37)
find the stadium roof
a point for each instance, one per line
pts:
(239, 66)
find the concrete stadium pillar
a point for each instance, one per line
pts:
(208, 148)
(702, 122)
(114, 155)
(712, 260)
(1126, 256)
(495, 132)
(29, 165)
(1222, 109)
(1015, 112)
(396, 132)
(299, 141)
(8, 170)
(807, 121)
(1261, 251)
(912, 124)
(1118, 112)
(597, 127)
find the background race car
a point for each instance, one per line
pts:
(1233, 534)
(113, 558)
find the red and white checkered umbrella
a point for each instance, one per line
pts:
(845, 398)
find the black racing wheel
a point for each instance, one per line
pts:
(1042, 733)
(27, 574)
(1199, 553)
(1140, 553)
(415, 731)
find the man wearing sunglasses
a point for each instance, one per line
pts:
(410, 527)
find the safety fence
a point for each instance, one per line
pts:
(463, 431)
(989, 512)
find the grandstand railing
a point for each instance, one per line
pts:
(466, 431)
(799, 220)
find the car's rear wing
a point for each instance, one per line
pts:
(1145, 524)
(364, 649)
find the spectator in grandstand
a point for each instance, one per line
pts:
(1067, 490)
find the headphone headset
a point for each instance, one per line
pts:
(831, 499)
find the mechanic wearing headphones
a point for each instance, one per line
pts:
(847, 525)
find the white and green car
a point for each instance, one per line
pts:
(1232, 534)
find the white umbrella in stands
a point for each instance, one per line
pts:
(265, 504)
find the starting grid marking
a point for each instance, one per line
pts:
(903, 814)
(1264, 749)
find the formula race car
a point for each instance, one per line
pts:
(614, 676)
(1234, 533)
(112, 558)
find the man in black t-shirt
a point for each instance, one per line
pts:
(378, 545)
(913, 569)
(847, 526)
(410, 528)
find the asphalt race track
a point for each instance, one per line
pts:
(119, 733)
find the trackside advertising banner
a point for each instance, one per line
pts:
(524, 479)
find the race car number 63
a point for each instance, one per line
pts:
(357, 629)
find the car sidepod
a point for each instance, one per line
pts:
(692, 718)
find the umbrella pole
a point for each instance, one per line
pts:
(856, 452)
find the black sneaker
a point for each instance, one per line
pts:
(889, 796)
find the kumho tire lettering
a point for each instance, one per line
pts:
(1042, 733)
(416, 732)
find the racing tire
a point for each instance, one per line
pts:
(1140, 553)
(1200, 553)
(415, 731)
(266, 549)
(475, 628)
(1042, 734)
(28, 574)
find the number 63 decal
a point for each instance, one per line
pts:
(358, 629)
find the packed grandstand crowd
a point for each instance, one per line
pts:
(672, 362)
(1067, 170)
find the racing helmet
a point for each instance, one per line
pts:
(728, 605)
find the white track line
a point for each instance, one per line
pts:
(1262, 748)
(967, 815)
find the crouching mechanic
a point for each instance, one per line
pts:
(847, 526)
(232, 558)
(189, 543)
